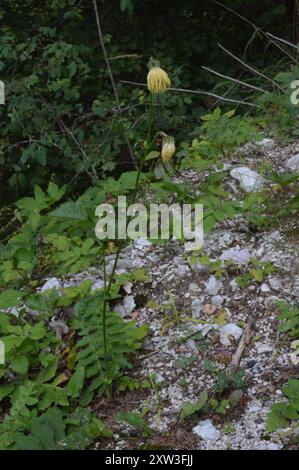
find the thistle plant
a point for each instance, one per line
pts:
(157, 79)
(158, 82)
(168, 148)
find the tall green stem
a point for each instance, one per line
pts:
(105, 341)
(150, 120)
(107, 288)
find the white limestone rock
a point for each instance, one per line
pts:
(249, 180)
(207, 431)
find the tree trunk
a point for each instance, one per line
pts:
(292, 18)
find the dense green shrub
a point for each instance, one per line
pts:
(60, 118)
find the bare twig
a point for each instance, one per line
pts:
(197, 92)
(259, 30)
(30, 141)
(84, 154)
(248, 85)
(243, 343)
(106, 55)
(282, 49)
(141, 358)
(66, 129)
(282, 40)
(125, 56)
(107, 61)
(249, 67)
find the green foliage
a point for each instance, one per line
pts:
(188, 408)
(218, 136)
(217, 206)
(217, 209)
(130, 383)
(223, 132)
(60, 107)
(53, 430)
(279, 112)
(277, 206)
(26, 346)
(9, 298)
(71, 254)
(210, 405)
(225, 381)
(127, 5)
(184, 362)
(283, 414)
(57, 238)
(37, 384)
(257, 272)
(289, 319)
(219, 407)
(61, 130)
(136, 420)
(228, 381)
(217, 267)
(254, 210)
(122, 338)
(132, 418)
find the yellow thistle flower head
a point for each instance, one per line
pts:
(168, 148)
(157, 79)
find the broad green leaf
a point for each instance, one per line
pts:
(55, 192)
(9, 298)
(209, 223)
(38, 331)
(133, 418)
(152, 155)
(189, 408)
(6, 390)
(291, 390)
(76, 382)
(69, 210)
(20, 364)
(257, 274)
(140, 274)
(48, 372)
(127, 5)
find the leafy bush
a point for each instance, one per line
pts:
(283, 414)
(53, 430)
(122, 339)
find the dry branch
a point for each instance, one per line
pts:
(248, 85)
(117, 100)
(243, 343)
(197, 92)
